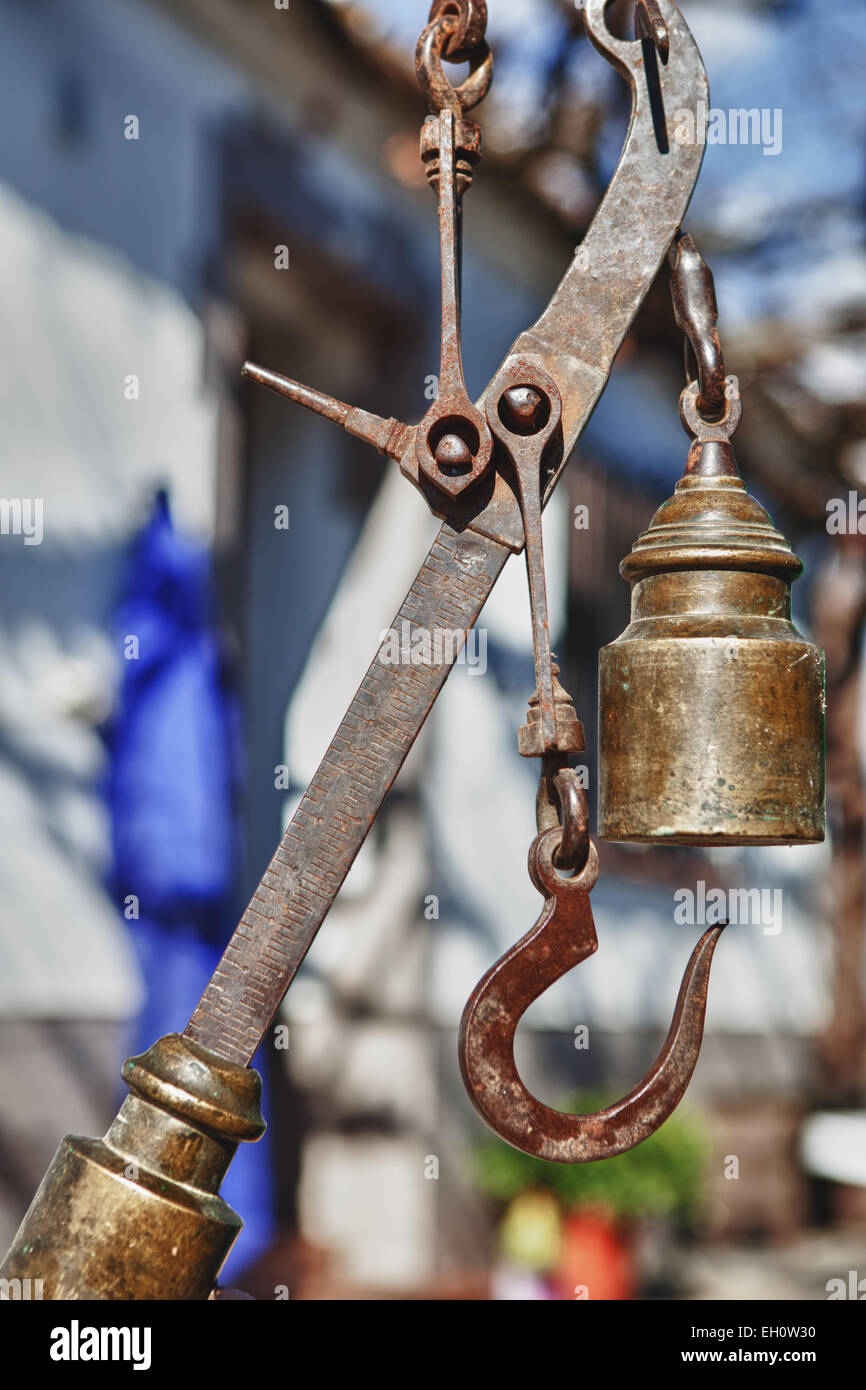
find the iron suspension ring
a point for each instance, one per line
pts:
(437, 42)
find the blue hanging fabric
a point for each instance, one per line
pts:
(172, 791)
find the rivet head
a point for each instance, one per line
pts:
(522, 410)
(453, 452)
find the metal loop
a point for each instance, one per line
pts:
(442, 94)
(545, 869)
(469, 30)
(562, 805)
(573, 852)
(706, 431)
(696, 312)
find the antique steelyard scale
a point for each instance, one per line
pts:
(711, 703)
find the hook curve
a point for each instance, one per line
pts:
(563, 936)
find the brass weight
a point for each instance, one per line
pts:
(711, 703)
(137, 1215)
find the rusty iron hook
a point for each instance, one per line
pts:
(563, 936)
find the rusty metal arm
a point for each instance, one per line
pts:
(575, 340)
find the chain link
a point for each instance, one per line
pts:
(467, 20)
(562, 804)
(696, 311)
(455, 32)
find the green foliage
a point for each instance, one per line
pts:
(664, 1176)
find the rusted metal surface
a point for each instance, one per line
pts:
(573, 851)
(649, 23)
(562, 938)
(339, 806)
(455, 31)
(467, 24)
(561, 801)
(176, 1135)
(584, 325)
(524, 411)
(577, 339)
(387, 436)
(694, 295)
(568, 735)
(582, 329)
(684, 706)
(453, 445)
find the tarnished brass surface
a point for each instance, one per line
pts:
(137, 1215)
(711, 702)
